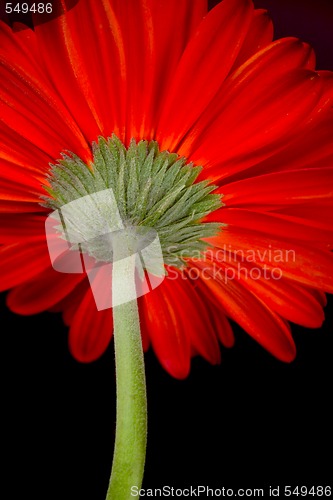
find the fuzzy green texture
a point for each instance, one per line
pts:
(131, 429)
(152, 188)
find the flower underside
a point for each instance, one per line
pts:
(152, 188)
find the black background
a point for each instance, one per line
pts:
(250, 422)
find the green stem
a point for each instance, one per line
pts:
(131, 428)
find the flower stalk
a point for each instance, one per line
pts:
(131, 428)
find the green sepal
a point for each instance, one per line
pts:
(152, 188)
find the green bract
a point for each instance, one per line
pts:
(153, 188)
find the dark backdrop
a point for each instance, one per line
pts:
(251, 422)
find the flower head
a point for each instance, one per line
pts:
(202, 89)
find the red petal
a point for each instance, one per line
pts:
(273, 224)
(206, 62)
(106, 97)
(11, 207)
(91, 330)
(251, 94)
(217, 316)
(183, 18)
(29, 106)
(166, 330)
(21, 47)
(252, 315)
(194, 316)
(311, 149)
(315, 213)
(260, 35)
(286, 298)
(223, 328)
(18, 228)
(62, 55)
(16, 177)
(22, 154)
(272, 191)
(303, 263)
(47, 289)
(254, 128)
(70, 304)
(22, 262)
(17, 184)
(148, 22)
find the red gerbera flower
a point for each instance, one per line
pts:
(135, 96)
(214, 89)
